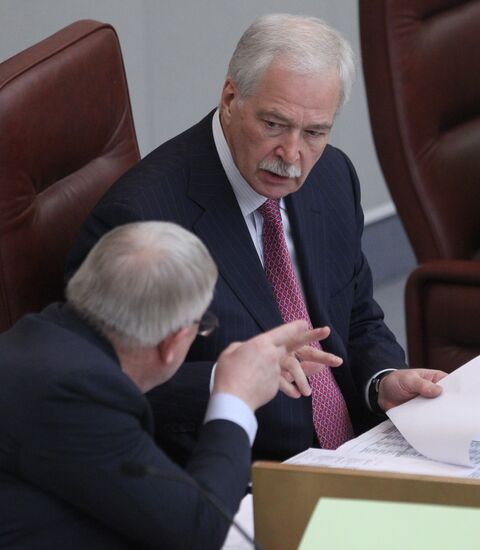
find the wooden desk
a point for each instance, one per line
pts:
(285, 495)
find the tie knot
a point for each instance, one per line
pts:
(270, 210)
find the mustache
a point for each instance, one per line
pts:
(280, 168)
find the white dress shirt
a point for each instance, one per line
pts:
(248, 199)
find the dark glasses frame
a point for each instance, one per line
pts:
(207, 323)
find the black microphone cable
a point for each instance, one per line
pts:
(133, 469)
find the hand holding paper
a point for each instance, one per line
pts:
(446, 428)
(402, 385)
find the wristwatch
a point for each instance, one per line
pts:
(373, 391)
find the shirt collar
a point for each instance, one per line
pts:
(248, 199)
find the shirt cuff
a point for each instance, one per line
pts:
(226, 406)
(367, 386)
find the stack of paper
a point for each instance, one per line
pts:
(439, 436)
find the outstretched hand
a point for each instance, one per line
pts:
(405, 384)
(305, 362)
(252, 370)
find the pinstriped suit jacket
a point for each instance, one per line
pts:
(183, 181)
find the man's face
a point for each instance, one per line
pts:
(278, 133)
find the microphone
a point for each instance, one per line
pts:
(134, 469)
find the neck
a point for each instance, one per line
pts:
(141, 366)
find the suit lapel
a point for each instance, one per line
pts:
(223, 230)
(308, 220)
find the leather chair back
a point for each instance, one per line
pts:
(66, 134)
(422, 74)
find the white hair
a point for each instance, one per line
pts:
(305, 45)
(143, 281)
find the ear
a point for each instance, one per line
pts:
(229, 96)
(168, 347)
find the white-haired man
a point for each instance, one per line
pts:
(75, 421)
(280, 211)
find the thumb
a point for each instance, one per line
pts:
(428, 389)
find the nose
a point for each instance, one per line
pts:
(289, 148)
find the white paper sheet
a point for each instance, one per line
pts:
(244, 517)
(381, 449)
(446, 428)
(439, 436)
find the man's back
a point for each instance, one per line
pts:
(76, 440)
(39, 359)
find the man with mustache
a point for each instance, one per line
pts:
(279, 210)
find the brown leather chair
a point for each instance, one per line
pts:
(420, 61)
(66, 134)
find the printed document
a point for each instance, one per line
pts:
(438, 436)
(446, 428)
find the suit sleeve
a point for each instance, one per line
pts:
(372, 346)
(89, 425)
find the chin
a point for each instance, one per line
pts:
(279, 194)
(279, 191)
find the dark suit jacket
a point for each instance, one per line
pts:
(183, 181)
(69, 419)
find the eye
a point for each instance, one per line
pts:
(273, 125)
(315, 133)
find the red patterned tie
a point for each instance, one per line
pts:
(330, 414)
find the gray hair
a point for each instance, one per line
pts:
(305, 45)
(143, 281)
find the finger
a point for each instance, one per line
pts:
(289, 389)
(426, 388)
(303, 386)
(310, 368)
(427, 381)
(288, 335)
(288, 377)
(307, 353)
(324, 332)
(438, 375)
(430, 374)
(295, 335)
(319, 333)
(299, 377)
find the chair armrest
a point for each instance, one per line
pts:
(442, 305)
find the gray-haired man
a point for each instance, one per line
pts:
(72, 380)
(279, 210)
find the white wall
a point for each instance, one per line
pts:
(176, 53)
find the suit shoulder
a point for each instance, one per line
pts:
(44, 363)
(173, 157)
(333, 156)
(334, 179)
(334, 168)
(167, 169)
(58, 342)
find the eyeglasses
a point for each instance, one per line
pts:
(207, 324)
